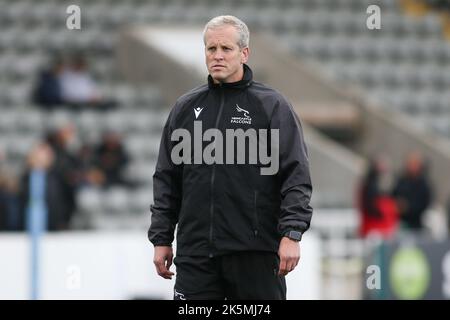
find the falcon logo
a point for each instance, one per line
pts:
(239, 109)
(245, 120)
(178, 295)
(197, 111)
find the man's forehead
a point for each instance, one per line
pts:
(225, 34)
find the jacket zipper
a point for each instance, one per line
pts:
(213, 174)
(255, 213)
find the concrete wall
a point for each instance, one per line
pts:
(335, 171)
(142, 63)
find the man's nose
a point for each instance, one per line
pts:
(218, 55)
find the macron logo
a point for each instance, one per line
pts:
(197, 111)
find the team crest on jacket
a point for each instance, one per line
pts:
(245, 118)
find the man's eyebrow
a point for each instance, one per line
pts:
(220, 44)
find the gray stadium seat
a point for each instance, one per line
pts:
(140, 201)
(141, 171)
(89, 200)
(115, 200)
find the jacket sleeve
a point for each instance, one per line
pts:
(166, 191)
(294, 175)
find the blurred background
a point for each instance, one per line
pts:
(83, 103)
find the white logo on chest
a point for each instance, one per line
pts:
(197, 111)
(246, 119)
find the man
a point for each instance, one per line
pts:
(413, 192)
(47, 92)
(239, 222)
(77, 85)
(41, 169)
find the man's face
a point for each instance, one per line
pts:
(414, 164)
(224, 58)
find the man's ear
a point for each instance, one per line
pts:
(245, 53)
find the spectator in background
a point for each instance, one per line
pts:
(77, 85)
(9, 204)
(91, 174)
(47, 92)
(112, 159)
(413, 192)
(66, 166)
(448, 216)
(3, 209)
(42, 158)
(379, 213)
(71, 86)
(79, 89)
(3, 214)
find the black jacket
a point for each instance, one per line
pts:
(59, 208)
(222, 208)
(417, 194)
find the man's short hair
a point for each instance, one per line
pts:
(239, 25)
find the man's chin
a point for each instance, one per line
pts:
(218, 76)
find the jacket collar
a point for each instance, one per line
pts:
(246, 81)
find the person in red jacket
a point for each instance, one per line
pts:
(379, 212)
